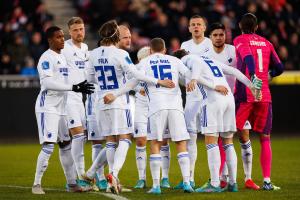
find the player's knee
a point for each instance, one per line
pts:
(63, 144)
(76, 130)
(141, 142)
(48, 148)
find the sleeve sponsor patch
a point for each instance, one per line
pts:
(45, 65)
(128, 60)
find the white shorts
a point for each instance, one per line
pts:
(52, 127)
(93, 130)
(171, 119)
(218, 116)
(114, 121)
(76, 115)
(141, 119)
(192, 114)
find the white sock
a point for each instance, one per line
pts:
(224, 176)
(192, 149)
(120, 156)
(155, 165)
(68, 164)
(165, 154)
(110, 154)
(96, 148)
(42, 162)
(184, 163)
(141, 161)
(247, 156)
(78, 153)
(231, 162)
(98, 163)
(214, 162)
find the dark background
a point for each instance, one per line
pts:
(17, 117)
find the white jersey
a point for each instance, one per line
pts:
(199, 50)
(77, 60)
(227, 56)
(110, 66)
(54, 65)
(163, 67)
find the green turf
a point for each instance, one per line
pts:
(17, 167)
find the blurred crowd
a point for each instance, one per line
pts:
(279, 20)
(22, 25)
(22, 40)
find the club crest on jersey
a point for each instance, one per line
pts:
(64, 71)
(45, 65)
(128, 60)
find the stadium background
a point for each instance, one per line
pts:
(22, 41)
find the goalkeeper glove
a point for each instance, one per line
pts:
(84, 87)
(257, 83)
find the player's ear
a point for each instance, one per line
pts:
(165, 51)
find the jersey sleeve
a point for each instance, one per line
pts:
(90, 72)
(129, 68)
(45, 67)
(244, 51)
(234, 72)
(276, 67)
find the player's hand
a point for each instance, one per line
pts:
(84, 87)
(142, 92)
(257, 83)
(191, 85)
(166, 83)
(109, 98)
(221, 89)
(256, 93)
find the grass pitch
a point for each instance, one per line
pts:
(17, 168)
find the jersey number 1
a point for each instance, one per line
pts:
(260, 60)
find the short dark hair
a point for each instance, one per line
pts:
(248, 23)
(75, 20)
(109, 33)
(157, 44)
(51, 30)
(215, 26)
(180, 53)
(198, 16)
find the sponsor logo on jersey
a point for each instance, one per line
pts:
(92, 133)
(80, 64)
(230, 60)
(58, 62)
(64, 71)
(45, 65)
(72, 121)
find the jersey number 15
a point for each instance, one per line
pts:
(159, 72)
